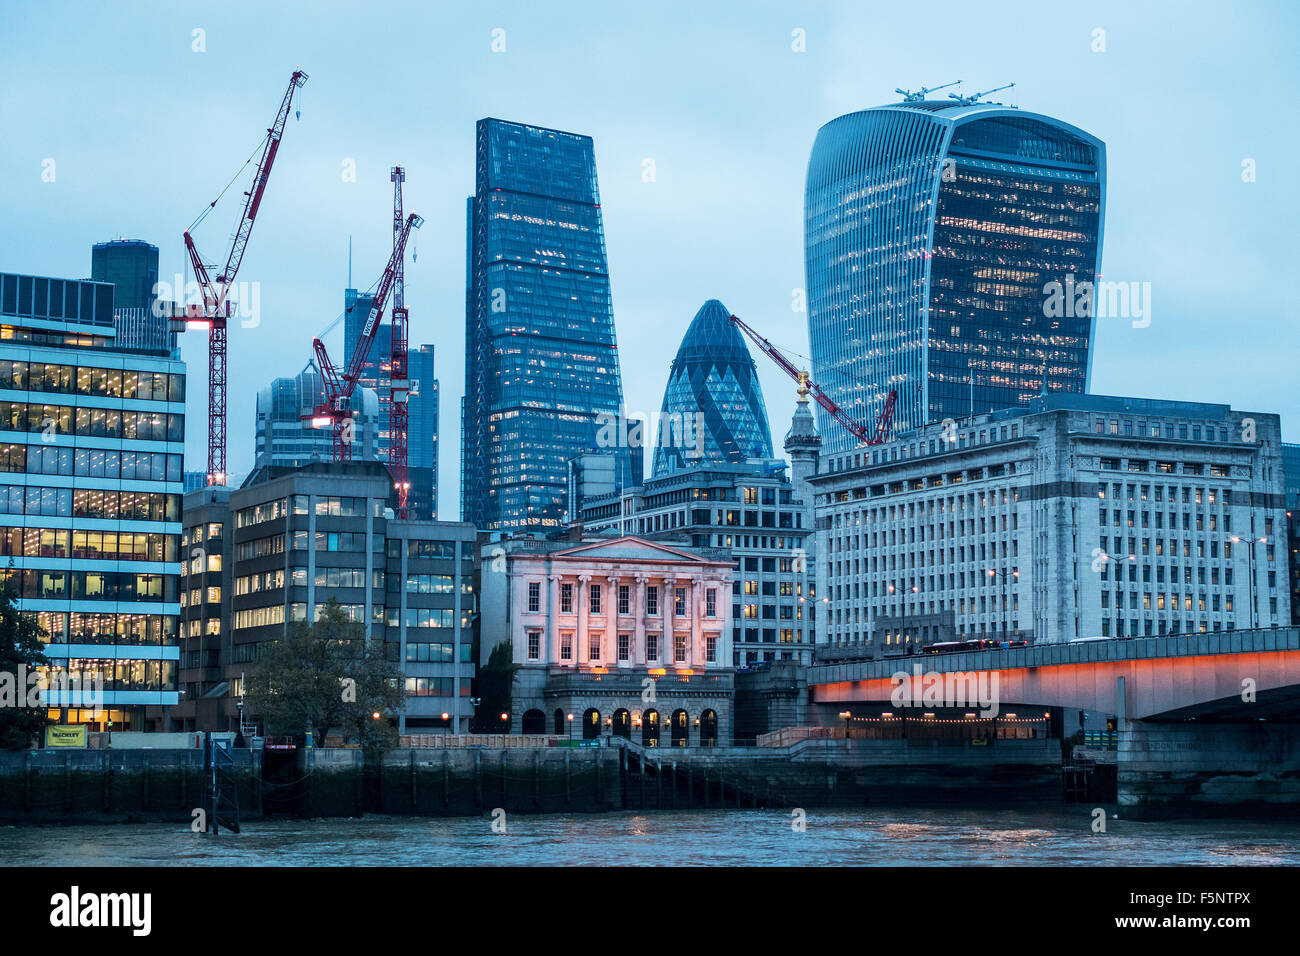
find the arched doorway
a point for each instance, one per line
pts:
(559, 722)
(534, 722)
(650, 729)
(622, 726)
(709, 729)
(680, 728)
(590, 724)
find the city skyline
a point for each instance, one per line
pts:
(730, 227)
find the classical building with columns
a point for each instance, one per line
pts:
(619, 636)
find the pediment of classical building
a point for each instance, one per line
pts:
(629, 548)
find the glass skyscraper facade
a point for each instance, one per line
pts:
(131, 267)
(713, 410)
(422, 437)
(285, 437)
(933, 230)
(282, 441)
(91, 455)
(541, 360)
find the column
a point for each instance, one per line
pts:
(638, 610)
(551, 654)
(610, 647)
(584, 608)
(668, 605)
(695, 650)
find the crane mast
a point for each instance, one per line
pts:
(398, 373)
(339, 386)
(883, 423)
(215, 311)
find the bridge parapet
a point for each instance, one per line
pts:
(1255, 641)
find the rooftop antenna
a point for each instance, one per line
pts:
(915, 97)
(975, 97)
(349, 262)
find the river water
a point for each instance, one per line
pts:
(877, 837)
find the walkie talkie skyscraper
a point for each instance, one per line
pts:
(932, 228)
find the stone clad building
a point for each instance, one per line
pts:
(620, 636)
(1077, 516)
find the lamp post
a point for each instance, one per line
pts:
(570, 719)
(1005, 580)
(902, 611)
(1250, 554)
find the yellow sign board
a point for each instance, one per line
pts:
(65, 735)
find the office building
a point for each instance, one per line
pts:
(131, 267)
(422, 400)
(541, 360)
(751, 511)
(286, 437)
(422, 437)
(934, 231)
(276, 550)
(631, 637)
(90, 495)
(1076, 516)
(713, 410)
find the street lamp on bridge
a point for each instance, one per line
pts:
(1250, 554)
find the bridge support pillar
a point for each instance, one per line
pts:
(1201, 768)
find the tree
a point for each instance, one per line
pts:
(496, 682)
(21, 653)
(327, 675)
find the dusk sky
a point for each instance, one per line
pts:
(144, 131)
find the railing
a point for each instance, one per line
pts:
(460, 741)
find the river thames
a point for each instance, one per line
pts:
(1057, 837)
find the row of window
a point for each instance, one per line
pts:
(433, 687)
(333, 506)
(90, 462)
(1204, 522)
(55, 420)
(624, 599)
(1164, 467)
(1157, 602)
(88, 380)
(623, 646)
(437, 652)
(89, 503)
(101, 545)
(91, 585)
(79, 627)
(416, 548)
(347, 541)
(110, 676)
(1191, 494)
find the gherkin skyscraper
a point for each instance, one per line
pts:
(713, 410)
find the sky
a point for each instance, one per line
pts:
(148, 109)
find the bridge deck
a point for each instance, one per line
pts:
(1255, 641)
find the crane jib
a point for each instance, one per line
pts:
(371, 319)
(260, 186)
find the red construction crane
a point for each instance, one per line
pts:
(399, 381)
(883, 423)
(339, 386)
(215, 311)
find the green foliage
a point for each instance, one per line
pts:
(325, 676)
(20, 646)
(496, 682)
